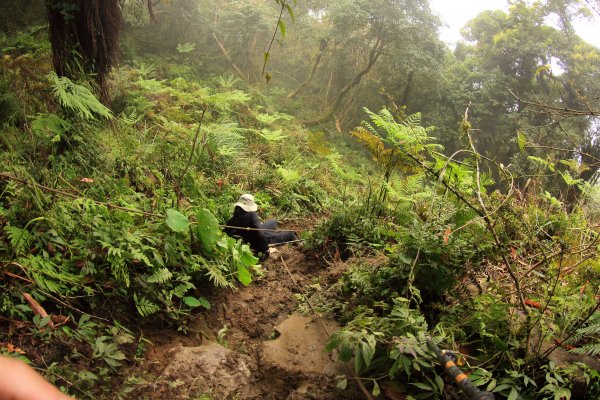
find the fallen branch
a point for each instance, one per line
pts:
(228, 57)
(4, 175)
(38, 309)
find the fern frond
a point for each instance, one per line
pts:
(182, 289)
(226, 139)
(589, 330)
(144, 306)
(217, 275)
(272, 136)
(227, 81)
(591, 350)
(161, 276)
(50, 123)
(77, 98)
(48, 275)
(20, 239)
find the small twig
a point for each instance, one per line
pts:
(46, 293)
(247, 228)
(282, 243)
(62, 378)
(283, 4)
(486, 216)
(189, 162)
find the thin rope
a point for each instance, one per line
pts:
(247, 228)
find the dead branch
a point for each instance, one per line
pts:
(38, 309)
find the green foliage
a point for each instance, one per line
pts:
(51, 126)
(588, 335)
(393, 345)
(349, 229)
(77, 99)
(272, 136)
(177, 221)
(186, 47)
(404, 217)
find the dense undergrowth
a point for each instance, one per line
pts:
(107, 216)
(503, 275)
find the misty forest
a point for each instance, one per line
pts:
(440, 197)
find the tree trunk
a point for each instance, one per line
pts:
(84, 35)
(373, 57)
(228, 57)
(324, 43)
(404, 99)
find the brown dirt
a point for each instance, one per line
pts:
(265, 349)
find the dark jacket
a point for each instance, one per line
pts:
(256, 239)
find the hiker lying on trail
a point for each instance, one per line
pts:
(261, 235)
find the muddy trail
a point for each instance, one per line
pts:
(251, 344)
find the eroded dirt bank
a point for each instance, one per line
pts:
(251, 344)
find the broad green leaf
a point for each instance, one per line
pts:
(194, 302)
(345, 352)
(159, 259)
(513, 394)
(423, 386)
(500, 388)
(244, 275)
(44, 321)
(440, 383)
(247, 258)
(282, 29)
(562, 393)
(367, 350)
(177, 221)
(406, 364)
(208, 228)
(342, 383)
(521, 140)
(291, 11)
(359, 361)
(87, 376)
(376, 389)
(334, 341)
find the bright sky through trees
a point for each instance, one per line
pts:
(456, 13)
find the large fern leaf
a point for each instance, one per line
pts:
(144, 306)
(77, 98)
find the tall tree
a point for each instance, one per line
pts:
(521, 75)
(84, 36)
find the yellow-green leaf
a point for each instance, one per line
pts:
(177, 221)
(521, 140)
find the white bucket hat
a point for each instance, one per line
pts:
(246, 202)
